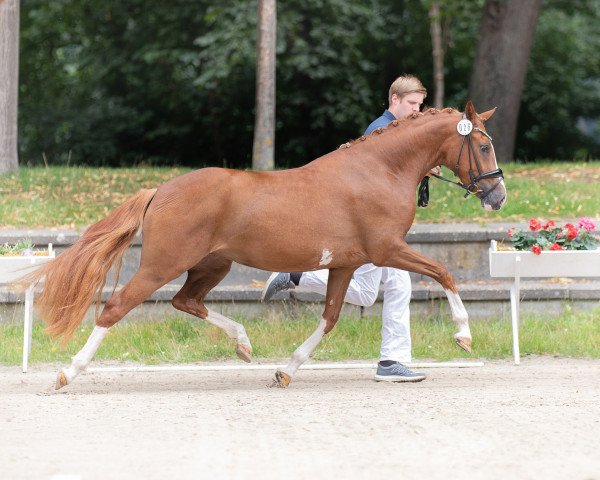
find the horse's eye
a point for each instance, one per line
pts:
(485, 148)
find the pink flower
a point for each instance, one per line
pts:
(512, 232)
(534, 225)
(556, 246)
(588, 224)
(536, 249)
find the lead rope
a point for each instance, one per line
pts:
(423, 195)
(423, 192)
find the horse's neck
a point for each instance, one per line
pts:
(412, 150)
(406, 151)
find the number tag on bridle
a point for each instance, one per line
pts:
(464, 127)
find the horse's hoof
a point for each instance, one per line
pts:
(61, 381)
(464, 343)
(244, 352)
(281, 380)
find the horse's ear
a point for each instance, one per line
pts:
(485, 116)
(470, 111)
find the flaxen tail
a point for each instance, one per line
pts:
(76, 277)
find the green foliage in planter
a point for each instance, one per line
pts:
(18, 249)
(549, 236)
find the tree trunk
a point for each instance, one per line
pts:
(264, 124)
(505, 37)
(438, 54)
(9, 83)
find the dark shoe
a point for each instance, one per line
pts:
(277, 282)
(397, 373)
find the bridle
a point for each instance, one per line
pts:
(474, 166)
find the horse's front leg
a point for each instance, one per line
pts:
(405, 258)
(338, 282)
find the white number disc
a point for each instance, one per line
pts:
(464, 127)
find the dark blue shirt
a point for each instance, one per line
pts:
(380, 122)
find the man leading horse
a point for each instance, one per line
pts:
(405, 97)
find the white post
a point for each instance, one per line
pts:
(515, 298)
(27, 326)
(28, 316)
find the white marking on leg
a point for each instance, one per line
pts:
(459, 314)
(304, 351)
(84, 357)
(231, 328)
(326, 257)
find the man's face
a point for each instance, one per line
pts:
(410, 103)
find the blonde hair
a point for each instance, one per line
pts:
(404, 85)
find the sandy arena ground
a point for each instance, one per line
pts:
(540, 420)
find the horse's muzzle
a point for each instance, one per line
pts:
(494, 195)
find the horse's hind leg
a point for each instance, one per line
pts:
(201, 279)
(140, 287)
(83, 358)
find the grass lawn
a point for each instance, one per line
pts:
(71, 197)
(75, 197)
(182, 339)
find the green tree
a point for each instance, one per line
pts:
(111, 82)
(560, 116)
(444, 15)
(505, 38)
(119, 83)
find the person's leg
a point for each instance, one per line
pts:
(395, 324)
(395, 328)
(280, 282)
(363, 288)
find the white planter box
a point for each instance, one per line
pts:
(517, 264)
(13, 268)
(566, 263)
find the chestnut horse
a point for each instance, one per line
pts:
(350, 207)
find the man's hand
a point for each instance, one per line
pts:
(435, 171)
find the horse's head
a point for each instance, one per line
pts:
(475, 159)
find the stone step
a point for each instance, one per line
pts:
(463, 248)
(483, 300)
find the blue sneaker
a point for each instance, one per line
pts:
(277, 282)
(397, 373)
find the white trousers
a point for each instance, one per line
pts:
(363, 290)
